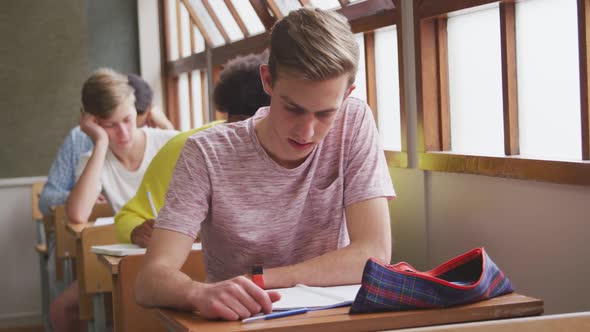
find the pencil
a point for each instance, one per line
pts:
(149, 195)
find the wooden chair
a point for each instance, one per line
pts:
(128, 315)
(65, 244)
(41, 249)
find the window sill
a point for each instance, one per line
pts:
(563, 172)
(396, 159)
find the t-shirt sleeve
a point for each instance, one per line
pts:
(366, 174)
(189, 193)
(59, 181)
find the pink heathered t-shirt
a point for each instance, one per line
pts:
(250, 210)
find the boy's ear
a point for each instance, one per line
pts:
(266, 79)
(349, 91)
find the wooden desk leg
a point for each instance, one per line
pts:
(116, 304)
(44, 289)
(98, 321)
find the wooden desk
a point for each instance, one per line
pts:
(127, 315)
(93, 280)
(507, 306)
(578, 321)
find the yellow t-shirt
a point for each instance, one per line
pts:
(155, 180)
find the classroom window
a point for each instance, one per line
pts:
(227, 20)
(361, 76)
(248, 15)
(172, 29)
(185, 32)
(548, 79)
(286, 6)
(326, 4)
(388, 91)
(199, 102)
(207, 22)
(198, 41)
(475, 82)
(184, 106)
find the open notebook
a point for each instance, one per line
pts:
(302, 296)
(123, 249)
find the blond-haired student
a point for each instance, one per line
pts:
(114, 167)
(301, 187)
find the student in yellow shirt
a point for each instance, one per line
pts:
(238, 93)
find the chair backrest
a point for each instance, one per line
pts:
(133, 317)
(36, 189)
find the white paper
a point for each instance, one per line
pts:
(104, 221)
(302, 296)
(125, 249)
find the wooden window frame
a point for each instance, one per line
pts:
(364, 17)
(433, 99)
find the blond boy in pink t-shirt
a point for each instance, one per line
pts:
(301, 187)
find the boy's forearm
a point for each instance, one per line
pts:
(162, 287)
(340, 267)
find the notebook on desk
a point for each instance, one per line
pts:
(302, 296)
(124, 249)
(104, 221)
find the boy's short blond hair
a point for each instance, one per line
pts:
(104, 91)
(313, 44)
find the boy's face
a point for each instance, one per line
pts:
(121, 125)
(301, 114)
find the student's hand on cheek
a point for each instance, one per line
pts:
(233, 299)
(89, 125)
(142, 234)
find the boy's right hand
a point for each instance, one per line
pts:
(142, 234)
(89, 125)
(232, 299)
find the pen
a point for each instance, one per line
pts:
(276, 315)
(149, 194)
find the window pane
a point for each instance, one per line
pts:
(227, 20)
(173, 29)
(287, 6)
(248, 15)
(185, 33)
(197, 99)
(548, 79)
(475, 82)
(207, 21)
(361, 76)
(183, 102)
(388, 98)
(198, 40)
(326, 4)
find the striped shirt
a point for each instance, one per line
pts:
(251, 210)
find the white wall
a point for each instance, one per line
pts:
(19, 280)
(538, 233)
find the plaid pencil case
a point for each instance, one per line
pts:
(468, 278)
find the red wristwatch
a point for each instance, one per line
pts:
(257, 276)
